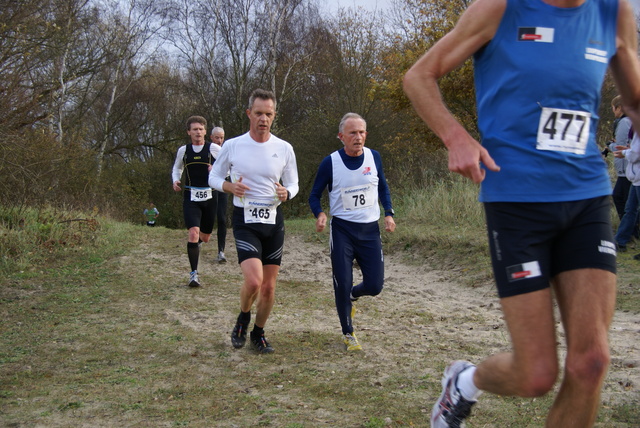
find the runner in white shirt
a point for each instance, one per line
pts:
(263, 175)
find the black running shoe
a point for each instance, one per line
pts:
(239, 335)
(260, 344)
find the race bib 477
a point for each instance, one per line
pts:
(563, 130)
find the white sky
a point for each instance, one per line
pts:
(370, 5)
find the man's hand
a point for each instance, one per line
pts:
(176, 186)
(281, 192)
(238, 189)
(389, 223)
(465, 157)
(321, 222)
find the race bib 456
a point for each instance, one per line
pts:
(201, 194)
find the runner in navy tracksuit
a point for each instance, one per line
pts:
(354, 178)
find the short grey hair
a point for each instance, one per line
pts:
(217, 129)
(350, 116)
(262, 94)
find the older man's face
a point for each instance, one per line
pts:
(217, 137)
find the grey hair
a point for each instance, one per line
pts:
(262, 94)
(217, 129)
(350, 116)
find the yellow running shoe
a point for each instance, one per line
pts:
(352, 342)
(353, 311)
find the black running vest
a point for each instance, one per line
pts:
(197, 165)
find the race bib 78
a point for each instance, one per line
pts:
(358, 197)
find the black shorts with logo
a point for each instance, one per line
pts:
(258, 240)
(530, 243)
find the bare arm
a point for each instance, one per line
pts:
(475, 28)
(625, 65)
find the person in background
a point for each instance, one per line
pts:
(151, 214)
(264, 174)
(198, 203)
(621, 127)
(355, 181)
(539, 67)
(217, 137)
(629, 220)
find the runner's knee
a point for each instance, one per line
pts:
(588, 368)
(374, 288)
(538, 380)
(267, 289)
(194, 234)
(252, 285)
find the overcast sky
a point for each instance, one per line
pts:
(373, 5)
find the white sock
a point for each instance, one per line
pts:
(465, 384)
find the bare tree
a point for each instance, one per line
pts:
(126, 36)
(231, 46)
(275, 17)
(197, 39)
(24, 38)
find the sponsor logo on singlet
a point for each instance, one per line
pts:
(535, 34)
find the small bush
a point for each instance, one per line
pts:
(30, 236)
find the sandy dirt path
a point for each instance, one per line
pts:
(419, 303)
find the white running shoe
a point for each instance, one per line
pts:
(452, 408)
(193, 279)
(221, 257)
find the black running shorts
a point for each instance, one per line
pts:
(258, 240)
(199, 214)
(530, 243)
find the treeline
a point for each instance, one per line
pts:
(95, 93)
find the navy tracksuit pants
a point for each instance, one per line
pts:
(359, 241)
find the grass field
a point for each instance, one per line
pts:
(99, 331)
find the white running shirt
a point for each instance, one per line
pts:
(260, 165)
